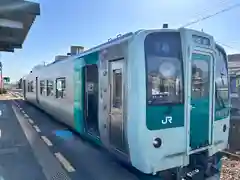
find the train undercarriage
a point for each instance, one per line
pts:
(201, 167)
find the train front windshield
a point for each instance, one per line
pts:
(164, 68)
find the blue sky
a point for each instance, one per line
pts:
(90, 22)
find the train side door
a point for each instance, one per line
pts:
(201, 102)
(36, 85)
(116, 122)
(91, 100)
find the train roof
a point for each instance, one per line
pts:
(220, 48)
(118, 39)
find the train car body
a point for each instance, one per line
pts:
(151, 98)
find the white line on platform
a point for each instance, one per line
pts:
(37, 128)
(46, 140)
(0, 112)
(30, 121)
(64, 162)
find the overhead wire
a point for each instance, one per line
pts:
(207, 9)
(215, 14)
(228, 46)
(212, 15)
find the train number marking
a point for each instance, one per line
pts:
(168, 119)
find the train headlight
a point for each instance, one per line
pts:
(157, 142)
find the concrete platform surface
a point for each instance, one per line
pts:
(31, 149)
(17, 160)
(81, 159)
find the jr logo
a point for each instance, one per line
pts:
(168, 119)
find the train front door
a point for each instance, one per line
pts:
(116, 122)
(36, 85)
(201, 111)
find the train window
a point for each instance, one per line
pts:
(50, 88)
(42, 87)
(164, 68)
(60, 87)
(221, 83)
(30, 86)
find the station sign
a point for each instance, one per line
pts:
(6, 79)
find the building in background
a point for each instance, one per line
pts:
(74, 50)
(234, 73)
(234, 63)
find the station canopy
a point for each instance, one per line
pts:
(16, 19)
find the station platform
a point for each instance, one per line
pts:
(32, 149)
(17, 160)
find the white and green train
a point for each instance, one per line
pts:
(156, 99)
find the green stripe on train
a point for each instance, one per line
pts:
(78, 95)
(156, 116)
(79, 90)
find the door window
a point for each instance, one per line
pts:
(200, 76)
(117, 88)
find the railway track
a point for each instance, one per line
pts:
(231, 155)
(15, 94)
(230, 166)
